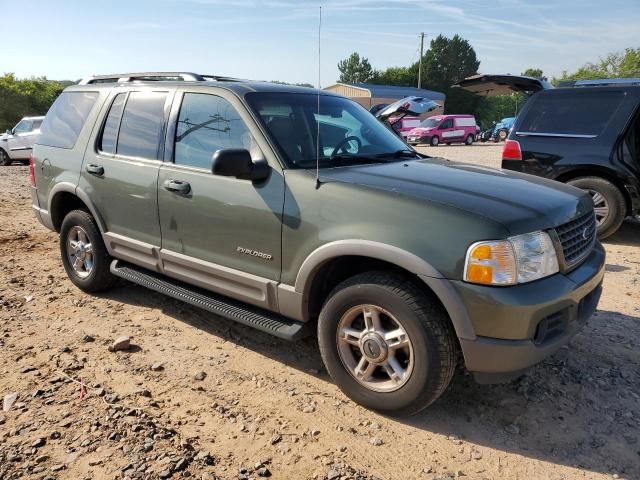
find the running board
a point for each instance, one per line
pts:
(249, 315)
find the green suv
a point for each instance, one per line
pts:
(294, 210)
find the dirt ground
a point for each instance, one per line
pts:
(197, 395)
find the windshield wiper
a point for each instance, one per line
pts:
(404, 153)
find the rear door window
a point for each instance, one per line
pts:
(65, 119)
(142, 125)
(579, 113)
(112, 124)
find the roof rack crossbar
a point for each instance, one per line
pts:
(155, 77)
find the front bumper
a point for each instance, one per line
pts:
(415, 139)
(517, 327)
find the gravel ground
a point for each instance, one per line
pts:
(196, 395)
(486, 154)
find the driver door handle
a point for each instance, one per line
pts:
(177, 186)
(97, 170)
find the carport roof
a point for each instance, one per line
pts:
(393, 91)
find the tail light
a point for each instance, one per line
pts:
(511, 150)
(32, 172)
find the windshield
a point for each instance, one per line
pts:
(430, 123)
(348, 134)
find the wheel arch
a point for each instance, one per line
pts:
(332, 263)
(594, 171)
(64, 198)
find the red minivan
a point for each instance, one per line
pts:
(444, 129)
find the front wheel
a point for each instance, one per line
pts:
(386, 343)
(469, 140)
(434, 141)
(608, 203)
(502, 136)
(84, 255)
(5, 160)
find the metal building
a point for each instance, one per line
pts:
(368, 95)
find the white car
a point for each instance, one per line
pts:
(16, 144)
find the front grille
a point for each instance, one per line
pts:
(577, 237)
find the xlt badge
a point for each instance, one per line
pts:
(254, 253)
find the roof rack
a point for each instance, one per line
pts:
(155, 77)
(601, 82)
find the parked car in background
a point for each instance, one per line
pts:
(404, 125)
(585, 133)
(444, 129)
(16, 144)
(228, 196)
(502, 129)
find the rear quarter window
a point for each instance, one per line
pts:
(65, 119)
(571, 113)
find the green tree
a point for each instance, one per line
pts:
(447, 61)
(354, 69)
(535, 73)
(615, 65)
(402, 76)
(18, 98)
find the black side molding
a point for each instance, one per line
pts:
(249, 315)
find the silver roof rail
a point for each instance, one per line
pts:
(155, 77)
(600, 82)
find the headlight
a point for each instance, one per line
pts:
(519, 259)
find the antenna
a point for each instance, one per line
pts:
(317, 120)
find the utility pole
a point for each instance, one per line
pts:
(420, 67)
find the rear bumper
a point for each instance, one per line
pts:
(42, 215)
(530, 321)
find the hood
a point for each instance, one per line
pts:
(420, 130)
(521, 203)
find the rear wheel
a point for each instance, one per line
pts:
(469, 140)
(386, 343)
(5, 160)
(502, 136)
(434, 141)
(84, 255)
(608, 202)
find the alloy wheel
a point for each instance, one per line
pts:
(600, 206)
(375, 348)
(79, 251)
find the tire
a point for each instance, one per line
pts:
(80, 227)
(469, 140)
(429, 359)
(434, 141)
(502, 136)
(5, 160)
(605, 195)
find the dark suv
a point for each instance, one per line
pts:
(584, 133)
(285, 208)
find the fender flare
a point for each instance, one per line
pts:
(66, 187)
(408, 261)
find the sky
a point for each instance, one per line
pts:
(278, 39)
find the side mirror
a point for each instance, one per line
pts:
(237, 162)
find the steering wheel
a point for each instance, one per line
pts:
(343, 144)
